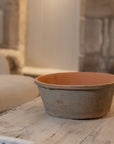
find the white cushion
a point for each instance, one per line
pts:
(4, 66)
(16, 90)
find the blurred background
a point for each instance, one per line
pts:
(45, 36)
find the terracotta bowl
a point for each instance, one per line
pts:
(76, 95)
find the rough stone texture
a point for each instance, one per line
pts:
(14, 24)
(101, 64)
(82, 36)
(93, 35)
(99, 8)
(106, 37)
(112, 38)
(97, 44)
(10, 10)
(111, 66)
(90, 63)
(81, 63)
(14, 39)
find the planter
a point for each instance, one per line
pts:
(76, 95)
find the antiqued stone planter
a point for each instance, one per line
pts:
(76, 95)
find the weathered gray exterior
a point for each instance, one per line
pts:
(77, 104)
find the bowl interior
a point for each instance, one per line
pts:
(77, 78)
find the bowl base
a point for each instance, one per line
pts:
(76, 117)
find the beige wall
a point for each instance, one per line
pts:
(53, 34)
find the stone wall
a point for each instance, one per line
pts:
(10, 12)
(15, 24)
(97, 36)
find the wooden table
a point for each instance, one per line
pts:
(30, 122)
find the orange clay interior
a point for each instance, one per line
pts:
(77, 78)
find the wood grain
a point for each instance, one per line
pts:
(8, 140)
(30, 122)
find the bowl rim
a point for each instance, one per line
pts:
(73, 87)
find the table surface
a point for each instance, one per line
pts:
(31, 122)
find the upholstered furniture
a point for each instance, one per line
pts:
(14, 89)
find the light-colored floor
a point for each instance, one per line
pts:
(31, 122)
